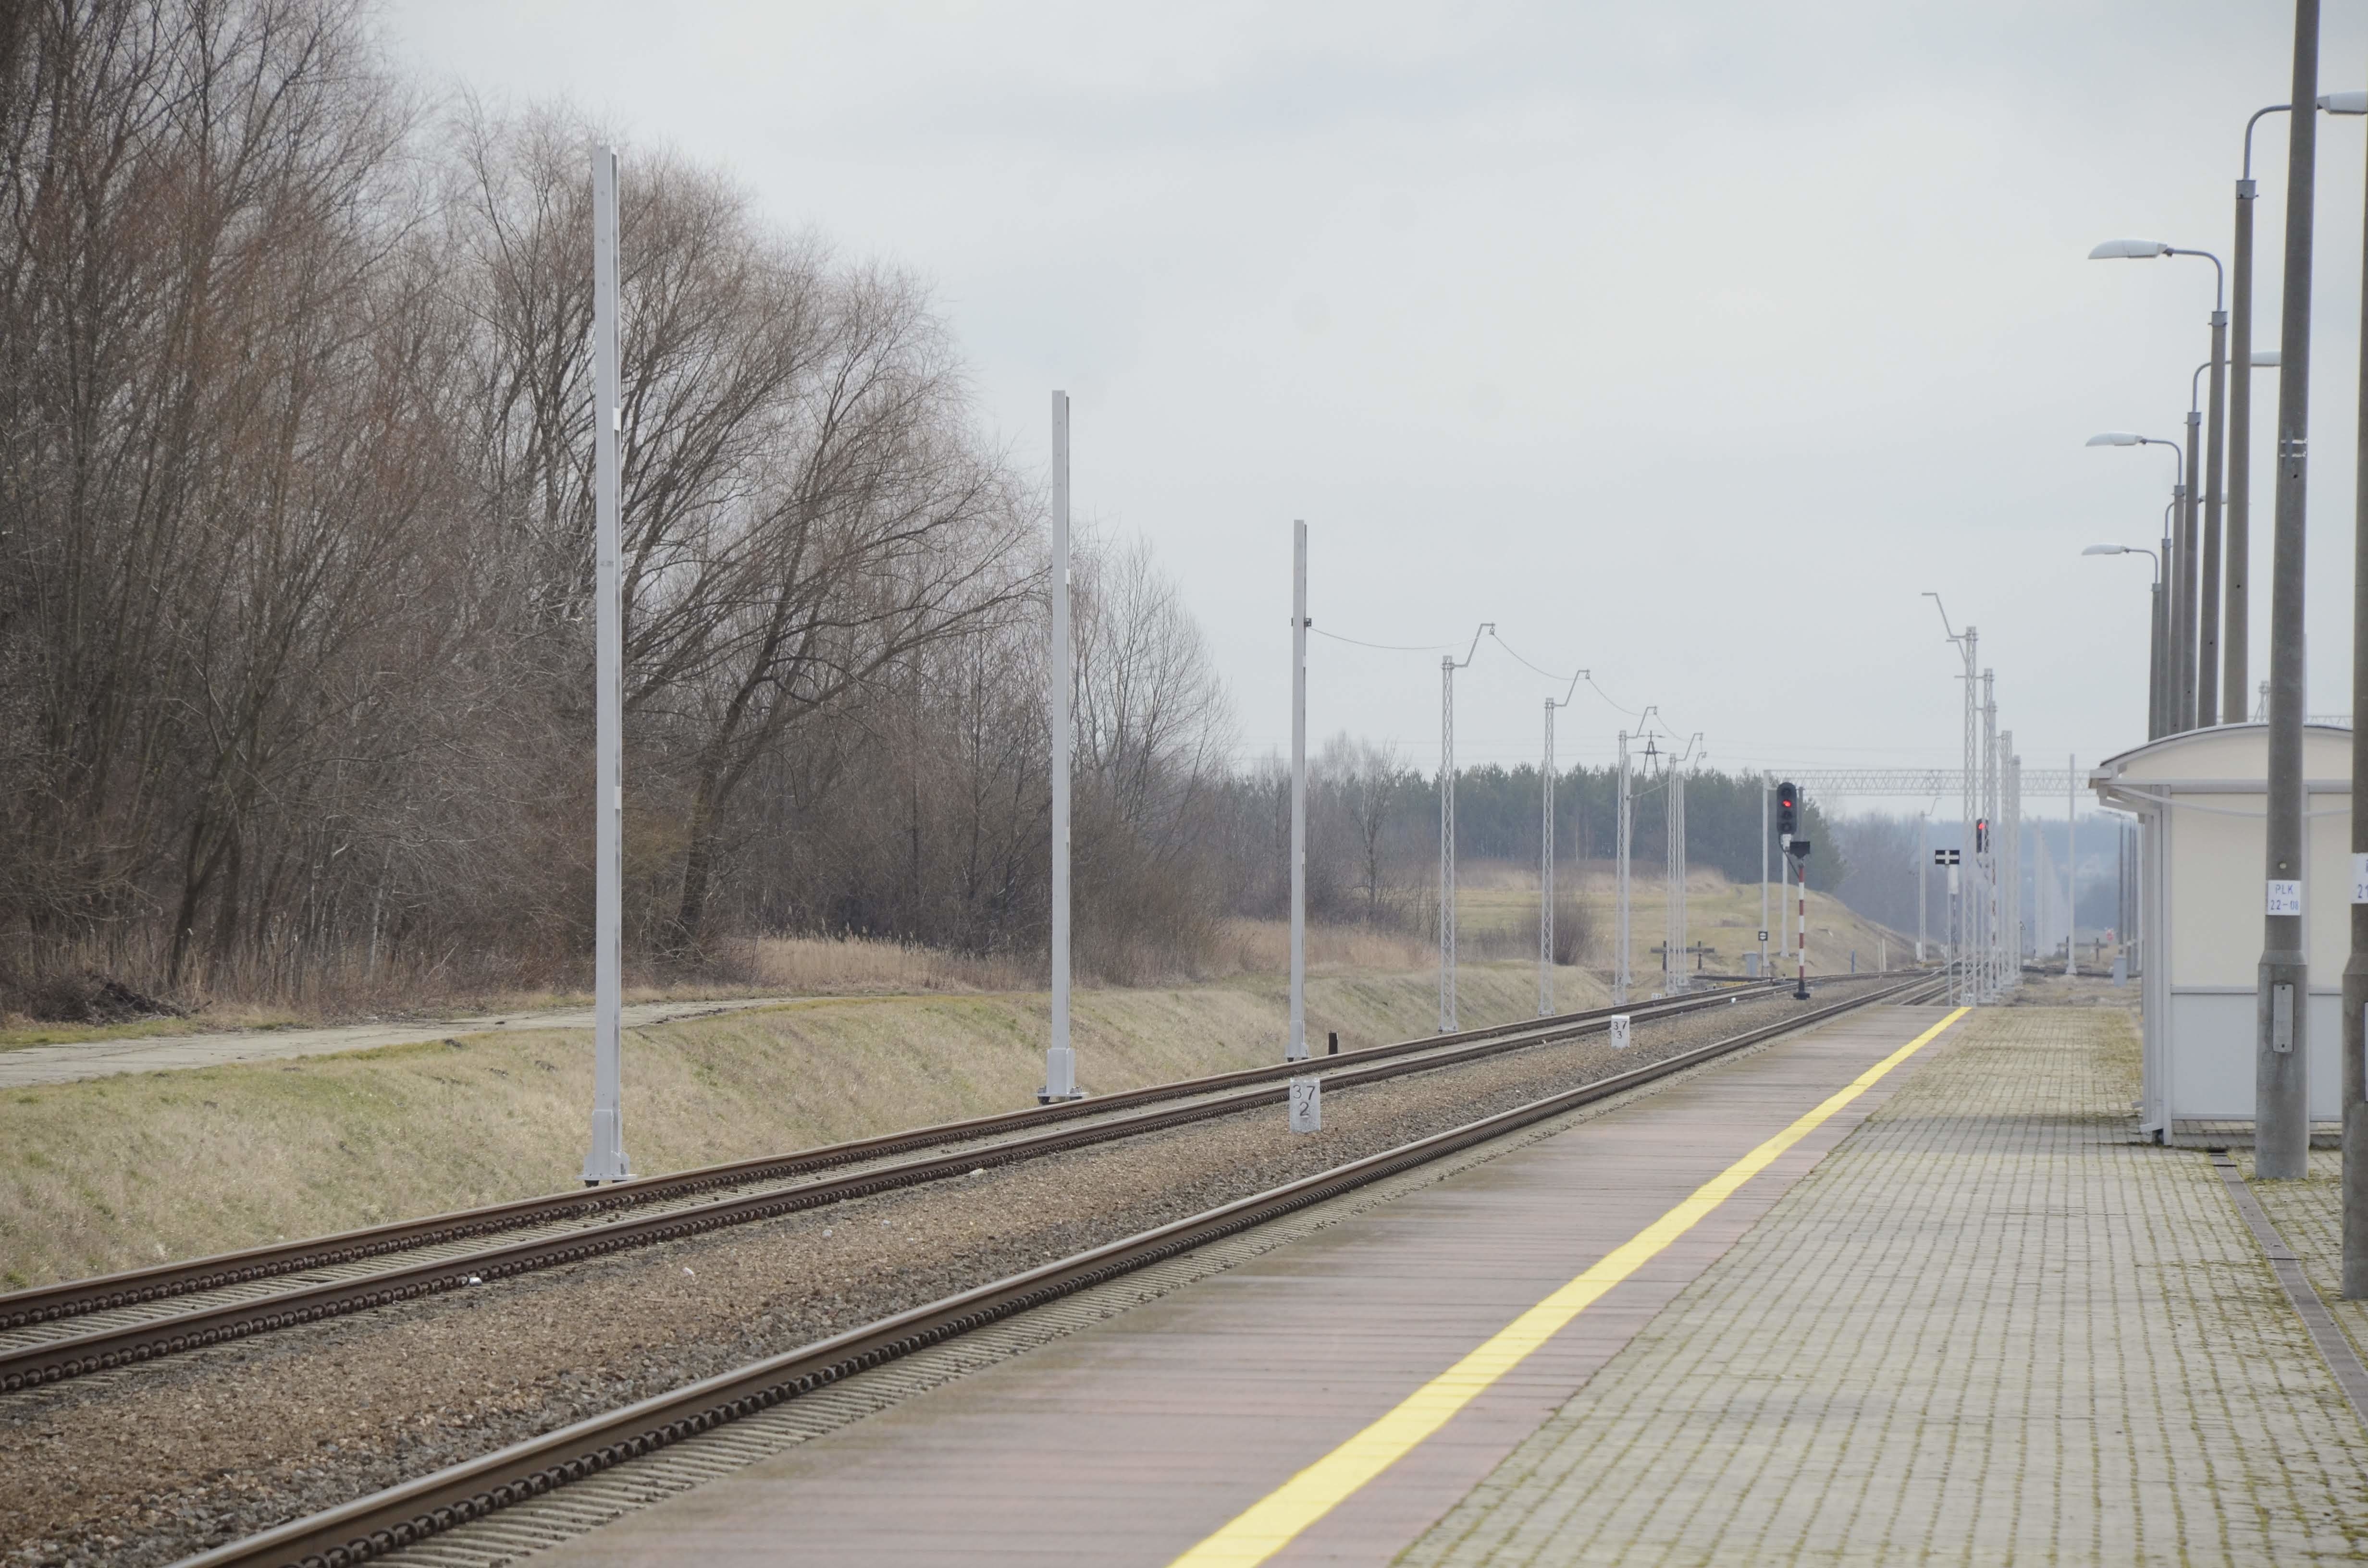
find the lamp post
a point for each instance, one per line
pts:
(2154, 660)
(2354, 1111)
(2236, 707)
(2281, 1014)
(2178, 621)
(2235, 619)
(2195, 688)
(2207, 563)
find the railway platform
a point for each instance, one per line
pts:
(1903, 1286)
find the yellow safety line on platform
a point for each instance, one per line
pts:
(1274, 1521)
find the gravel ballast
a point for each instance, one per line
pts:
(149, 1463)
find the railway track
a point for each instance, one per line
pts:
(415, 1511)
(86, 1326)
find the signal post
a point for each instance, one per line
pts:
(1797, 849)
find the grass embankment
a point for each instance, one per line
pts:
(114, 1173)
(1497, 904)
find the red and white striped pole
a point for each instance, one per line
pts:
(1801, 990)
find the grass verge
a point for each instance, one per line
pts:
(113, 1173)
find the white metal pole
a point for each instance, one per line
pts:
(1448, 665)
(1956, 913)
(1673, 925)
(1545, 874)
(1446, 844)
(1969, 993)
(1622, 974)
(1296, 1051)
(2071, 860)
(2011, 867)
(604, 1161)
(1923, 853)
(1763, 876)
(1990, 815)
(1060, 1061)
(2021, 932)
(2002, 838)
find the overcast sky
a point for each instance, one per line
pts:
(1689, 344)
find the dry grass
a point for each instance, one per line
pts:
(848, 966)
(1263, 947)
(1498, 912)
(859, 966)
(116, 1172)
(856, 966)
(17, 1029)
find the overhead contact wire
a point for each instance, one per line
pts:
(1384, 647)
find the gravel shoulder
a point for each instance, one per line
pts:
(148, 1464)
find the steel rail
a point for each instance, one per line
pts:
(103, 1349)
(75, 1298)
(405, 1514)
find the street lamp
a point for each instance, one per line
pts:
(2235, 621)
(2175, 630)
(2154, 650)
(2203, 575)
(2194, 707)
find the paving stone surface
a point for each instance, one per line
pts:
(2309, 1215)
(1991, 1327)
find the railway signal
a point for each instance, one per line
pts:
(1951, 859)
(1796, 848)
(1788, 823)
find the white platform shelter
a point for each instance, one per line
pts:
(2201, 805)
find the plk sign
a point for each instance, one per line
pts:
(2284, 898)
(1307, 1105)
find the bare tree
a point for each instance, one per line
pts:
(200, 206)
(1369, 780)
(295, 553)
(887, 535)
(1155, 731)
